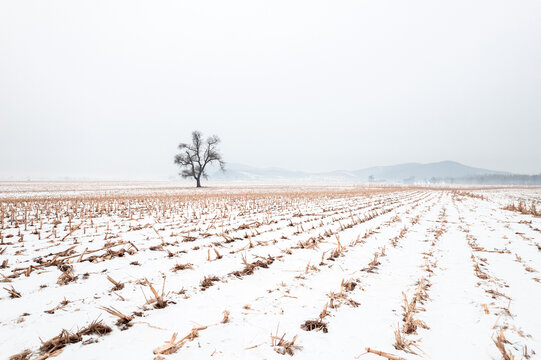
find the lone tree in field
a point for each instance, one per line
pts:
(193, 158)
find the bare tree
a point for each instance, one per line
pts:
(193, 158)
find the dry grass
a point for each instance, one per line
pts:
(25, 355)
(401, 343)
(250, 267)
(283, 346)
(123, 320)
(470, 194)
(180, 267)
(316, 325)
(500, 342)
(13, 293)
(523, 208)
(96, 327)
(373, 265)
(173, 345)
(208, 281)
(65, 337)
(382, 354)
(62, 305)
(226, 317)
(159, 300)
(67, 275)
(60, 341)
(117, 285)
(411, 324)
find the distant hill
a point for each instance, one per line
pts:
(414, 172)
(401, 173)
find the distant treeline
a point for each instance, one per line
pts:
(491, 180)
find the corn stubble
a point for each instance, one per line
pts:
(219, 227)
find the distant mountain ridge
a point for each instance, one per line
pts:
(401, 173)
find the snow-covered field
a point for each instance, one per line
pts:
(154, 270)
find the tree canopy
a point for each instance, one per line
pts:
(194, 158)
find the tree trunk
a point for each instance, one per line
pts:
(198, 182)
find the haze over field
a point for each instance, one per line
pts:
(409, 173)
(107, 90)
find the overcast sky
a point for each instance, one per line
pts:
(109, 88)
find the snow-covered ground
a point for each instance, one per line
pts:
(267, 272)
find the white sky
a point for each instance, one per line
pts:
(109, 88)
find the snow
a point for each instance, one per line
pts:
(427, 236)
